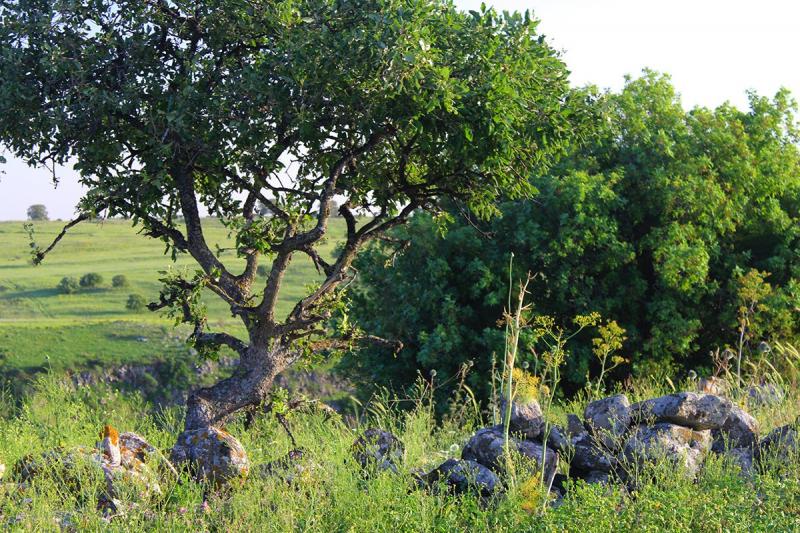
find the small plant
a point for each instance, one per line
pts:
(751, 291)
(92, 279)
(68, 285)
(120, 281)
(610, 341)
(135, 303)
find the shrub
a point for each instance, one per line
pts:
(92, 279)
(655, 224)
(119, 281)
(135, 303)
(68, 285)
(262, 270)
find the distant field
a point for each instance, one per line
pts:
(39, 326)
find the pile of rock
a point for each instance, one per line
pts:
(616, 439)
(125, 462)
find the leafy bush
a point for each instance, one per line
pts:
(92, 279)
(68, 285)
(262, 270)
(135, 303)
(655, 224)
(120, 281)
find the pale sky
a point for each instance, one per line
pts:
(714, 50)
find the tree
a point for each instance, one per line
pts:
(38, 212)
(170, 106)
(652, 223)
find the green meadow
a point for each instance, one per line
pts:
(40, 327)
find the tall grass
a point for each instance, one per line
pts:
(333, 495)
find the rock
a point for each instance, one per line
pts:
(781, 444)
(713, 385)
(462, 476)
(597, 477)
(575, 427)
(487, 448)
(741, 457)
(690, 409)
(681, 445)
(292, 467)
(588, 455)
(740, 430)
(132, 479)
(608, 419)
(765, 394)
(556, 439)
(526, 418)
(379, 449)
(212, 454)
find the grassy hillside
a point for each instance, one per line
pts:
(40, 326)
(328, 492)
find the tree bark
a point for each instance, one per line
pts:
(248, 386)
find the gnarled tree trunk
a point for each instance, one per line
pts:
(248, 386)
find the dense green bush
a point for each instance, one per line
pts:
(663, 222)
(68, 285)
(135, 303)
(120, 281)
(92, 279)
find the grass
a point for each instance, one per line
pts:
(40, 326)
(333, 495)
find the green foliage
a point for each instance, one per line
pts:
(120, 281)
(92, 279)
(136, 303)
(38, 212)
(68, 285)
(386, 105)
(651, 223)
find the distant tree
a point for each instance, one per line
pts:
(136, 303)
(169, 107)
(68, 285)
(119, 281)
(38, 212)
(92, 279)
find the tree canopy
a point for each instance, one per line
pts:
(664, 221)
(172, 108)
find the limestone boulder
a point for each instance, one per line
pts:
(378, 449)
(782, 444)
(608, 419)
(680, 445)
(487, 447)
(588, 455)
(740, 430)
(527, 419)
(211, 455)
(694, 410)
(462, 476)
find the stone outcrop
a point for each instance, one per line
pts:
(684, 446)
(608, 419)
(461, 476)
(124, 469)
(740, 430)
(690, 409)
(212, 455)
(378, 449)
(487, 447)
(527, 420)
